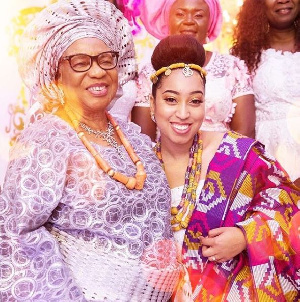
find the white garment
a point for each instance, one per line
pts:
(123, 104)
(276, 86)
(176, 194)
(227, 78)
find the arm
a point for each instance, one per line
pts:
(243, 120)
(33, 186)
(141, 116)
(141, 111)
(268, 212)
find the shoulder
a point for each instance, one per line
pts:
(230, 60)
(133, 133)
(238, 145)
(45, 131)
(146, 70)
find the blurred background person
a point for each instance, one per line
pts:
(267, 38)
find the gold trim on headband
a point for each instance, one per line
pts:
(187, 71)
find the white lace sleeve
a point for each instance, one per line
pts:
(242, 80)
(144, 86)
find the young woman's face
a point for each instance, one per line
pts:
(189, 17)
(179, 107)
(282, 14)
(91, 90)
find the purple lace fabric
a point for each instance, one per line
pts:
(53, 183)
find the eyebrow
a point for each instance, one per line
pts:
(176, 92)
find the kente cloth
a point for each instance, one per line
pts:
(69, 232)
(245, 188)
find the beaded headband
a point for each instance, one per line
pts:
(187, 71)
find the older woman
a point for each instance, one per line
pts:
(232, 203)
(269, 42)
(85, 207)
(229, 96)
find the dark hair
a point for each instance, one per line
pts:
(176, 49)
(250, 35)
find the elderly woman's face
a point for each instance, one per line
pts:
(189, 17)
(282, 14)
(91, 90)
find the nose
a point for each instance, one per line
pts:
(182, 111)
(96, 70)
(189, 18)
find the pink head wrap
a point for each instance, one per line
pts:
(155, 17)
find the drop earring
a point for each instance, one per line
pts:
(152, 117)
(61, 96)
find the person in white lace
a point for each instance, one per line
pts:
(267, 38)
(229, 96)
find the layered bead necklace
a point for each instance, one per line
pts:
(136, 182)
(181, 214)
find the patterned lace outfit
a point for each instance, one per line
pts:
(71, 233)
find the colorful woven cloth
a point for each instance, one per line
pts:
(244, 187)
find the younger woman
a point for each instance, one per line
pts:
(231, 202)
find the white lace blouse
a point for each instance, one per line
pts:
(227, 79)
(276, 86)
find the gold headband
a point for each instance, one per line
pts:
(187, 71)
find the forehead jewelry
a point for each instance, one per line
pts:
(187, 71)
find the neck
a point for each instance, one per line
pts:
(175, 151)
(283, 39)
(95, 120)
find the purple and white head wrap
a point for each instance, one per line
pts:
(60, 24)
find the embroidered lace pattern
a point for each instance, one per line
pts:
(276, 87)
(53, 182)
(227, 78)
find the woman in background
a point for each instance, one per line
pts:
(229, 96)
(267, 38)
(232, 203)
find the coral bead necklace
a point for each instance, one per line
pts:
(181, 214)
(136, 182)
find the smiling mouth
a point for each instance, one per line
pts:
(96, 88)
(283, 10)
(180, 126)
